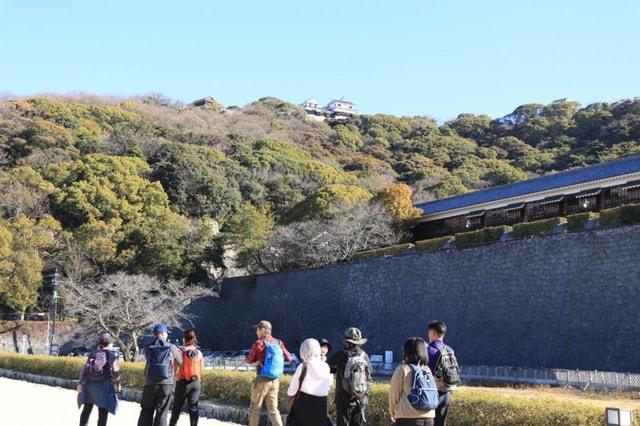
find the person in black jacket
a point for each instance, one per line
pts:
(350, 410)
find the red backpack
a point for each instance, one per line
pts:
(191, 364)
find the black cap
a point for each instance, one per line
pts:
(325, 342)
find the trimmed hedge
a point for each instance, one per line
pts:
(481, 236)
(623, 215)
(473, 407)
(539, 227)
(432, 244)
(577, 222)
(383, 251)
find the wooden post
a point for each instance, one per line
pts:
(600, 200)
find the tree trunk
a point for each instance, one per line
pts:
(125, 347)
(134, 346)
(22, 312)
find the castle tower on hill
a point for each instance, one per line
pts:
(337, 109)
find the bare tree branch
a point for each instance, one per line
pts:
(127, 305)
(316, 243)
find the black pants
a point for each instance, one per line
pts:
(444, 404)
(154, 405)
(414, 422)
(86, 412)
(309, 410)
(349, 415)
(189, 391)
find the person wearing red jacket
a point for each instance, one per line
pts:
(264, 389)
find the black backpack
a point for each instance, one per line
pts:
(447, 369)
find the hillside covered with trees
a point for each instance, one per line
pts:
(151, 186)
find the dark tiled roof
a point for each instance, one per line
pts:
(543, 183)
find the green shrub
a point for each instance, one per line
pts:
(630, 214)
(432, 244)
(474, 407)
(577, 222)
(481, 236)
(623, 215)
(384, 251)
(610, 217)
(539, 227)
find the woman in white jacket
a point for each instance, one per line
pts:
(310, 386)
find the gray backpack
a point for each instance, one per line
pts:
(356, 379)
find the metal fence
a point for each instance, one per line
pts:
(511, 375)
(552, 377)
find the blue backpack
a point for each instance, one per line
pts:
(273, 365)
(159, 362)
(424, 392)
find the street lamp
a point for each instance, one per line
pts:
(55, 282)
(619, 416)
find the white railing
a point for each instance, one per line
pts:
(583, 379)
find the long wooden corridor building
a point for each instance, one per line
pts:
(574, 191)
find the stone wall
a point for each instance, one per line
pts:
(567, 301)
(33, 336)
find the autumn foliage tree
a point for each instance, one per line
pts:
(397, 198)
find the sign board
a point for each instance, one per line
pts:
(376, 358)
(388, 360)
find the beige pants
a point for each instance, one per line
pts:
(264, 390)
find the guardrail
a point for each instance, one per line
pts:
(553, 377)
(583, 379)
(238, 364)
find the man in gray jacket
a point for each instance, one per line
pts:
(161, 357)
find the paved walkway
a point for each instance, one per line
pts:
(29, 404)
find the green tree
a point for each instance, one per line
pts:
(471, 126)
(249, 228)
(195, 180)
(349, 136)
(23, 243)
(322, 203)
(108, 204)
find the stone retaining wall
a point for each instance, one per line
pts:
(566, 301)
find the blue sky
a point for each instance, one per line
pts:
(428, 57)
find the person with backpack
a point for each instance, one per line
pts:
(161, 359)
(188, 379)
(413, 393)
(353, 379)
(308, 389)
(444, 366)
(268, 354)
(99, 382)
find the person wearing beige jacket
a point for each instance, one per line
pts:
(401, 410)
